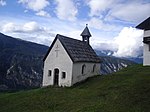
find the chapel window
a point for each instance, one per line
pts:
(94, 66)
(63, 75)
(49, 73)
(83, 69)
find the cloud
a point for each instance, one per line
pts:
(27, 27)
(2, 3)
(30, 31)
(104, 45)
(9, 27)
(132, 11)
(43, 13)
(99, 24)
(36, 5)
(129, 42)
(98, 6)
(31, 27)
(66, 10)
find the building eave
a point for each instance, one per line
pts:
(145, 25)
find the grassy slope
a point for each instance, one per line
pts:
(124, 91)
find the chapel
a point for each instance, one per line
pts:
(69, 61)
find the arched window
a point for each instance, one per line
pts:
(94, 66)
(83, 69)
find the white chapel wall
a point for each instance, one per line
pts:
(77, 71)
(147, 33)
(62, 62)
(146, 51)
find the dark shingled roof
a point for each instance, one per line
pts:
(86, 32)
(78, 50)
(145, 25)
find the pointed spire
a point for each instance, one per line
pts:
(86, 32)
(86, 35)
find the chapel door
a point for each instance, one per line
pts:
(56, 76)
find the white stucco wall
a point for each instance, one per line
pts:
(62, 61)
(146, 51)
(77, 71)
(147, 33)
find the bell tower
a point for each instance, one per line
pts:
(86, 35)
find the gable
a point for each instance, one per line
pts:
(50, 48)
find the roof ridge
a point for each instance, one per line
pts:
(60, 36)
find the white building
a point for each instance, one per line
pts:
(69, 61)
(145, 25)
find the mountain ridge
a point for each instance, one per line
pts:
(138, 59)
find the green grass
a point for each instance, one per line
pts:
(124, 91)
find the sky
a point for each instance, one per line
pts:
(111, 22)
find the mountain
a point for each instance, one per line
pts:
(125, 91)
(138, 59)
(104, 52)
(21, 64)
(112, 64)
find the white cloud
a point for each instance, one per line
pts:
(98, 6)
(99, 24)
(2, 3)
(36, 5)
(26, 27)
(25, 11)
(66, 10)
(30, 31)
(9, 27)
(131, 11)
(31, 27)
(129, 42)
(43, 13)
(105, 45)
